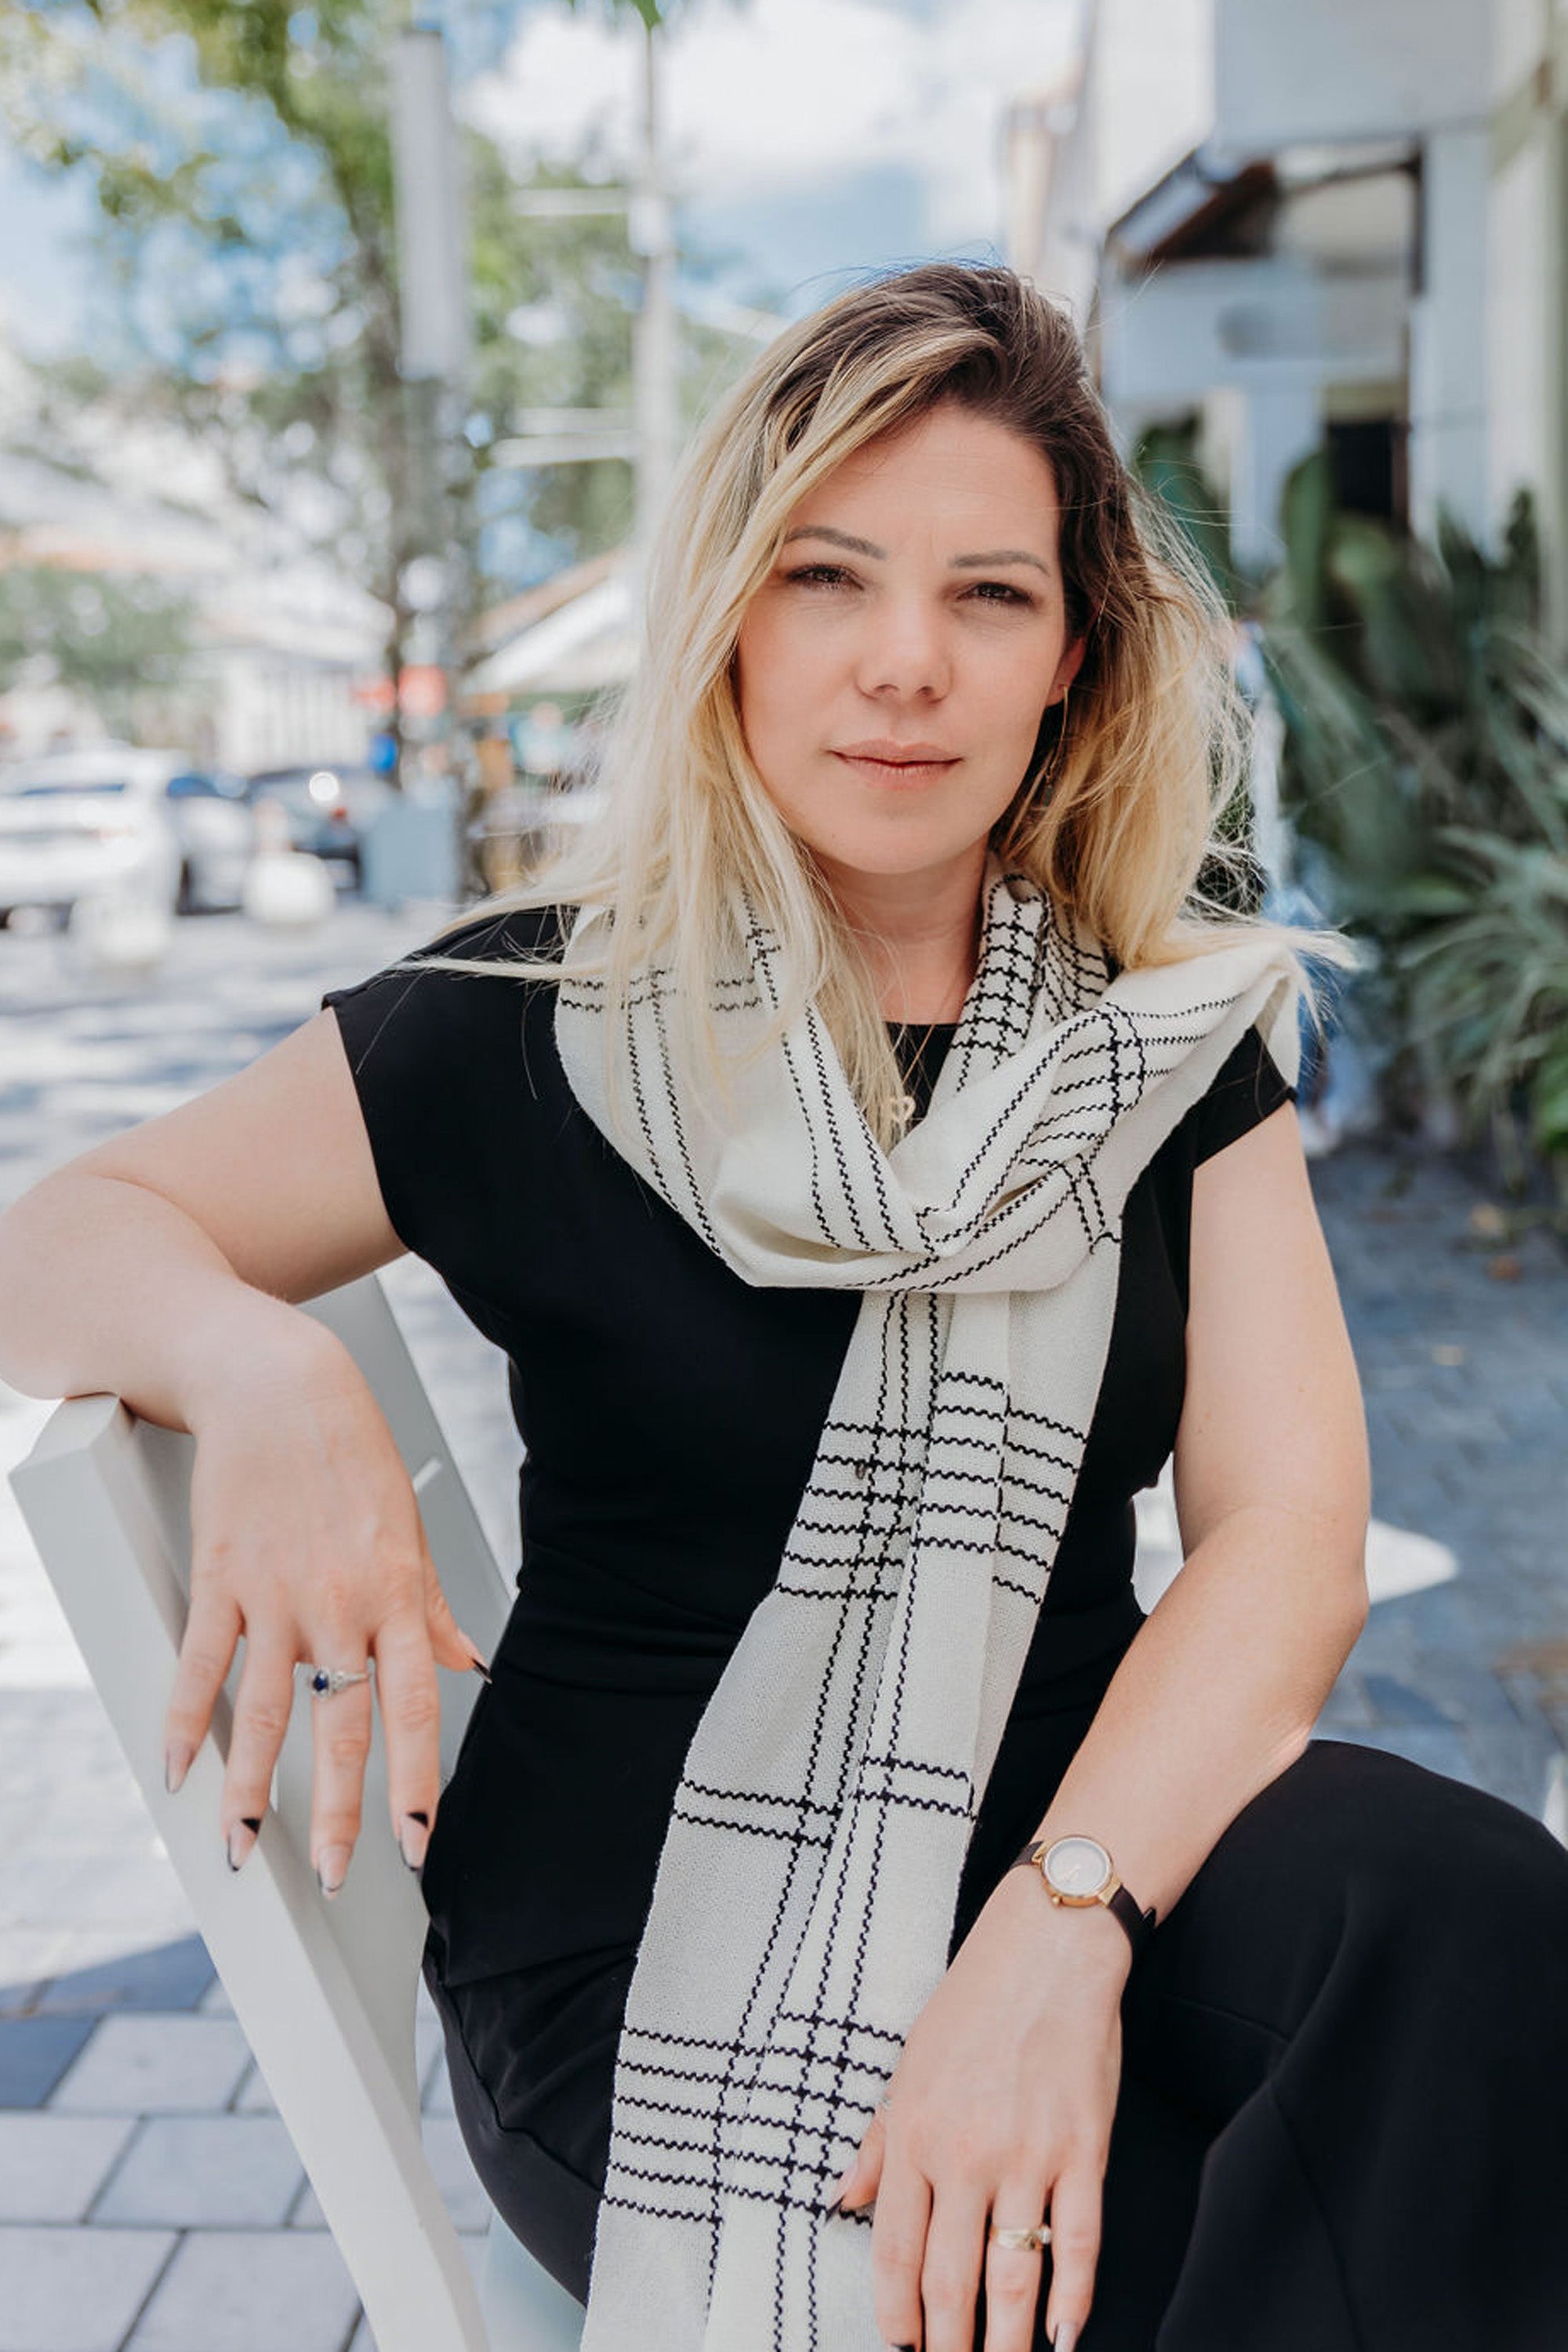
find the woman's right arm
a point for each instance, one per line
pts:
(165, 1267)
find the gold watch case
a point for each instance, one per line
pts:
(1077, 1871)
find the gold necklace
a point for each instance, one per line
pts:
(907, 1103)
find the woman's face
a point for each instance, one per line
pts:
(893, 667)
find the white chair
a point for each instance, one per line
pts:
(324, 1991)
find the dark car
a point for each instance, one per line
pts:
(330, 810)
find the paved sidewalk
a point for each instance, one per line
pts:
(149, 2199)
(1462, 1347)
(149, 2196)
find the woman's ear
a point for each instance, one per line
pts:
(1068, 667)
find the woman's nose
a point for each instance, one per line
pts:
(903, 651)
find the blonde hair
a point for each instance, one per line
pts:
(1124, 800)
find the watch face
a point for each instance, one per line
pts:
(1077, 1866)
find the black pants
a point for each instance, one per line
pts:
(1344, 2117)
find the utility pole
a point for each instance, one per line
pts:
(651, 436)
(432, 296)
(656, 402)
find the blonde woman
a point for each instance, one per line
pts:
(853, 1921)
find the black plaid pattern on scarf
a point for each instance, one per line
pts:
(806, 1890)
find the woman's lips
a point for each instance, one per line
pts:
(895, 771)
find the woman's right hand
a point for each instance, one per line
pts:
(306, 1537)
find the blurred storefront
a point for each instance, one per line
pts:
(281, 645)
(574, 634)
(545, 662)
(1341, 221)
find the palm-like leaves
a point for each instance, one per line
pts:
(1488, 983)
(1427, 757)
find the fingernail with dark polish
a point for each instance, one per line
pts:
(479, 1668)
(412, 1841)
(240, 1840)
(333, 1868)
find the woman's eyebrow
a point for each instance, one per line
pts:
(1002, 555)
(879, 554)
(838, 537)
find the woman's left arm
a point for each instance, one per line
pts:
(1004, 2096)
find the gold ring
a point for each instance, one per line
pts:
(1026, 2241)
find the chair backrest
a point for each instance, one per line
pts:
(324, 1991)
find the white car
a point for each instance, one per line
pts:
(214, 826)
(128, 823)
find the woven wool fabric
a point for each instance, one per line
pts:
(806, 1886)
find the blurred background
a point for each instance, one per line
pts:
(345, 353)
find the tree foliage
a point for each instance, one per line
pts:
(105, 635)
(1427, 761)
(241, 161)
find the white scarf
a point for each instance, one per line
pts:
(807, 1882)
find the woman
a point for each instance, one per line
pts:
(852, 1920)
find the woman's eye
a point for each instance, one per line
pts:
(833, 575)
(999, 591)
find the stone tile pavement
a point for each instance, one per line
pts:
(148, 2198)
(1462, 1345)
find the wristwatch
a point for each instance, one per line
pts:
(1077, 1871)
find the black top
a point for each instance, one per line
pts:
(670, 1413)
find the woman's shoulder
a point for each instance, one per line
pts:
(416, 1031)
(458, 1078)
(416, 1002)
(530, 934)
(1248, 1085)
(503, 938)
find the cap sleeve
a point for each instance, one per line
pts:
(440, 1065)
(1248, 1085)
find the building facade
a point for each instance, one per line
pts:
(1292, 223)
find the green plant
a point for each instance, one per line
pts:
(1426, 757)
(109, 638)
(238, 157)
(1488, 987)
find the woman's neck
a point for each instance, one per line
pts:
(920, 933)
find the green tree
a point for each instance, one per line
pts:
(108, 637)
(241, 161)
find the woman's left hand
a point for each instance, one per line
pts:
(1001, 2109)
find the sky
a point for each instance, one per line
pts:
(816, 136)
(45, 286)
(808, 140)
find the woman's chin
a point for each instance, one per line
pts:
(876, 855)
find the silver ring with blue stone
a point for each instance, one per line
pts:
(325, 1680)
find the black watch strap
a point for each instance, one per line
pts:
(1139, 1925)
